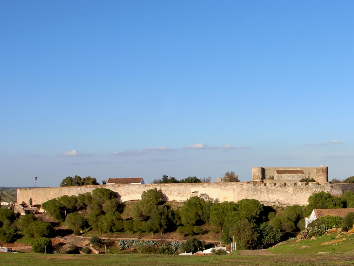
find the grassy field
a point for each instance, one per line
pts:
(137, 259)
(328, 243)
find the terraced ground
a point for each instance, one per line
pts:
(8, 194)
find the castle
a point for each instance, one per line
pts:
(270, 186)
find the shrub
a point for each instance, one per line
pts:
(219, 251)
(315, 231)
(96, 241)
(165, 249)
(192, 245)
(328, 221)
(307, 180)
(348, 221)
(39, 245)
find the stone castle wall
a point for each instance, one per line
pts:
(268, 193)
(290, 174)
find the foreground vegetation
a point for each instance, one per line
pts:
(130, 259)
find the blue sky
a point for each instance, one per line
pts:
(183, 88)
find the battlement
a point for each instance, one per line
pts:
(268, 192)
(290, 174)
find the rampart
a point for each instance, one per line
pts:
(268, 193)
(290, 174)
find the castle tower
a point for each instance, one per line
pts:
(257, 173)
(321, 174)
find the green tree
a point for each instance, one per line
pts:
(75, 222)
(348, 221)
(68, 181)
(149, 199)
(54, 208)
(6, 215)
(192, 211)
(7, 236)
(161, 220)
(335, 180)
(83, 201)
(110, 206)
(166, 179)
(249, 209)
(38, 229)
(39, 245)
(245, 234)
(111, 222)
(322, 200)
(349, 180)
(101, 195)
(348, 199)
(223, 213)
(230, 176)
(24, 221)
(191, 179)
(269, 235)
(88, 180)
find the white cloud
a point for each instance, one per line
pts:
(205, 146)
(326, 143)
(140, 152)
(197, 146)
(72, 153)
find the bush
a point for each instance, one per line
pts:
(348, 221)
(219, 251)
(96, 241)
(328, 221)
(307, 180)
(166, 249)
(192, 245)
(315, 231)
(39, 245)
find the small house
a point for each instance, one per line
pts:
(319, 213)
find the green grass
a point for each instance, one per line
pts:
(136, 259)
(315, 246)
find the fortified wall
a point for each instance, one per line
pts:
(290, 174)
(268, 193)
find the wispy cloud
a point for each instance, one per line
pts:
(205, 146)
(325, 143)
(140, 152)
(72, 153)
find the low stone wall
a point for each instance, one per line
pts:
(268, 193)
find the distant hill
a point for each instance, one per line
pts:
(8, 194)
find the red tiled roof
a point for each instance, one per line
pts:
(333, 212)
(125, 180)
(290, 172)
